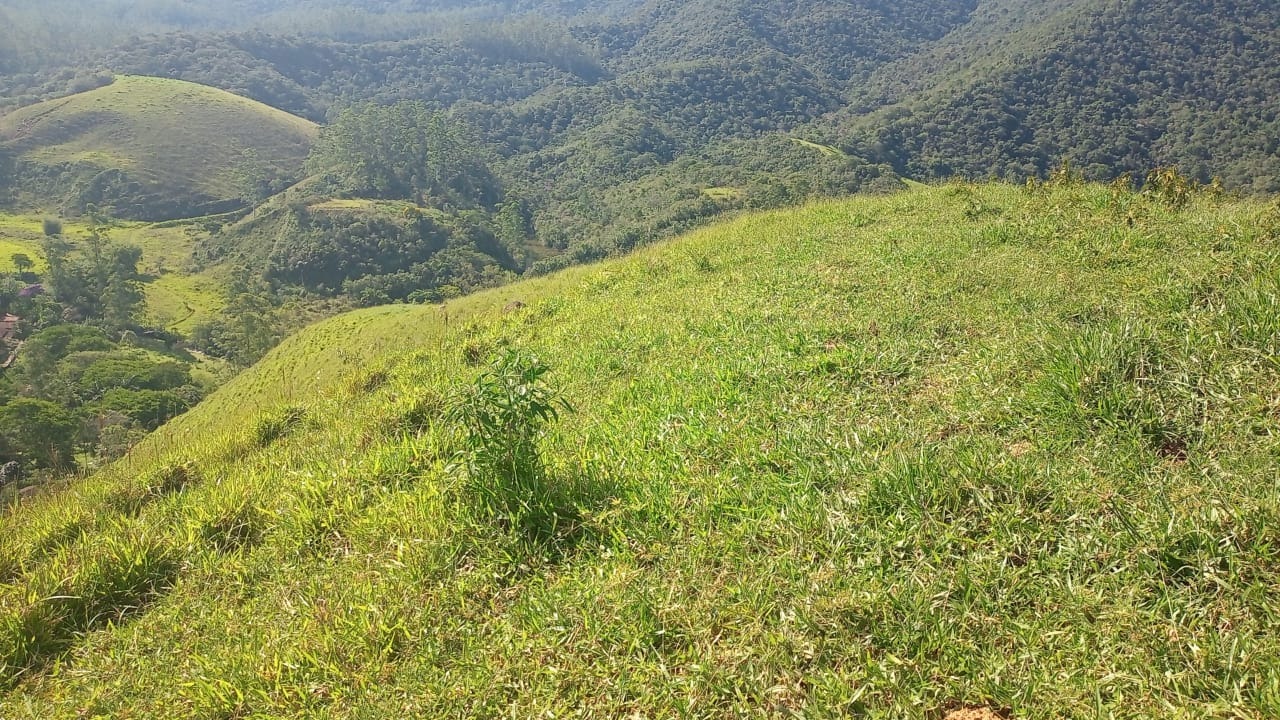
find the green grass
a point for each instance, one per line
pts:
(178, 139)
(391, 206)
(723, 193)
(179, 302)
(962, 445)
(175, 298)
(824, 149)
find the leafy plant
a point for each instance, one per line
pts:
(504, 415)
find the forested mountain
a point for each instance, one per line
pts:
(1113, 87)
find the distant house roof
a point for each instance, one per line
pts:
(31, 291)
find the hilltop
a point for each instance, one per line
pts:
(962, 446)
(151, 148)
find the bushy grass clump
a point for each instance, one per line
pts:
(275, 425)
(134, 494)
(965, 446)
(100, 585)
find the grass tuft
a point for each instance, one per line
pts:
(109, 582)
(277, 424)
(134, 495)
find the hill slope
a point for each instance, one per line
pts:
(968, 445)
(1112, 87)
(153, 148)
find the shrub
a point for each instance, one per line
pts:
(504, 416)
(1166, 185)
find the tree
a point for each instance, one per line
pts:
(122, 295)
(101, 284)
(38, 363)
(403, 151)
(249, 325)
(22, 262)
(38, 432)
(57, 253)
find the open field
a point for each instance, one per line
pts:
(180, 302)
(175, 298)
(723, 193)
(966, 445)
(824, 149)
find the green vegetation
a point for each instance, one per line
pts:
(1087, 82)
(178, 295)
(1002, 446)
(82, 378)
(503, 418)
(606, 125)
(824, 149)
(987, 445)
(153, 148)
(401, 152)
(562, 133)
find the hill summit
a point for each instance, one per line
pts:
(153, 148)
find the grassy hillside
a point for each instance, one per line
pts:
(968, 445)
(154, 148)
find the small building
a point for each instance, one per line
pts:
(31, 291)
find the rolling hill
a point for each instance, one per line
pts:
(969, 446)
(148, 148)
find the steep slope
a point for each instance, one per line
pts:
(961, 446)
(152, 148)
(839, 41)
